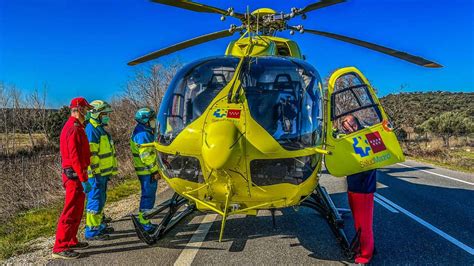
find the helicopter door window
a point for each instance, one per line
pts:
(353, 106)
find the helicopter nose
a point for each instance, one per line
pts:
(218, 141)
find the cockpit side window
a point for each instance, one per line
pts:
(191, 92)
(283, 49)
(283, 97)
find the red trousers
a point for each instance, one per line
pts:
(362, 206)
(68, 224)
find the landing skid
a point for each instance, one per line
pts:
(320, 201)
(171, 218)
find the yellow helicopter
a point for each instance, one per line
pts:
(249, 130)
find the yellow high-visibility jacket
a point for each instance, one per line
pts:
(144, 158)
(103, 157)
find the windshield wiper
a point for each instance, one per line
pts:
(244, 69)
(229, 96)
(237, 93)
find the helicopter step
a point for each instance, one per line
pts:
(320, 201)
(171, 218)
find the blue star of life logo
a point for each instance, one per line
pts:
(218, 113)
(361, 146)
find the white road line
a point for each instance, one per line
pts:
(429, 226)
(268, 213)
(189, 252)
(445, 176)
(388, 207)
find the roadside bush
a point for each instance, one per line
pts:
(455, 158)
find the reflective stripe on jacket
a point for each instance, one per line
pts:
(144, 158)
(103, 157)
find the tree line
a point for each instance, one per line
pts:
(23, 114)
(443, 114)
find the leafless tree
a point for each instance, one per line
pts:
(148, 85)
(36, 102)
(16, 117)
(145, 88)
(4, 104)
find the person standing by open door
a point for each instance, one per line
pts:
(361, 140)
(360, 191)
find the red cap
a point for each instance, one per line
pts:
(79, 102)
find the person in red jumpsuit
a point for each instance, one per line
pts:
(75, 157)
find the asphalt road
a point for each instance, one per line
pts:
(423, 215)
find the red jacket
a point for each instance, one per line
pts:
(74, 148)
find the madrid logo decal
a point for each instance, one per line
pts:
(375, 142)
(228, 113)
(370, 142)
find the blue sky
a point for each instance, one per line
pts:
(81, 47)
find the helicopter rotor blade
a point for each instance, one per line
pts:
(395, 53)
(198, 7)
(318, 5)
(183, 45)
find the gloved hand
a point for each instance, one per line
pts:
(155, 176)
(86, 186)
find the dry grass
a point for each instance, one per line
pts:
(18, 232)
(29, 181)
(33, 180)
(460, 156)
(18, 142)
(32, 195)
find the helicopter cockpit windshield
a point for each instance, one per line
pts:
(284, 97)
(191, 91)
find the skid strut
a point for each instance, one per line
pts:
(171, 218)
(320, 201)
